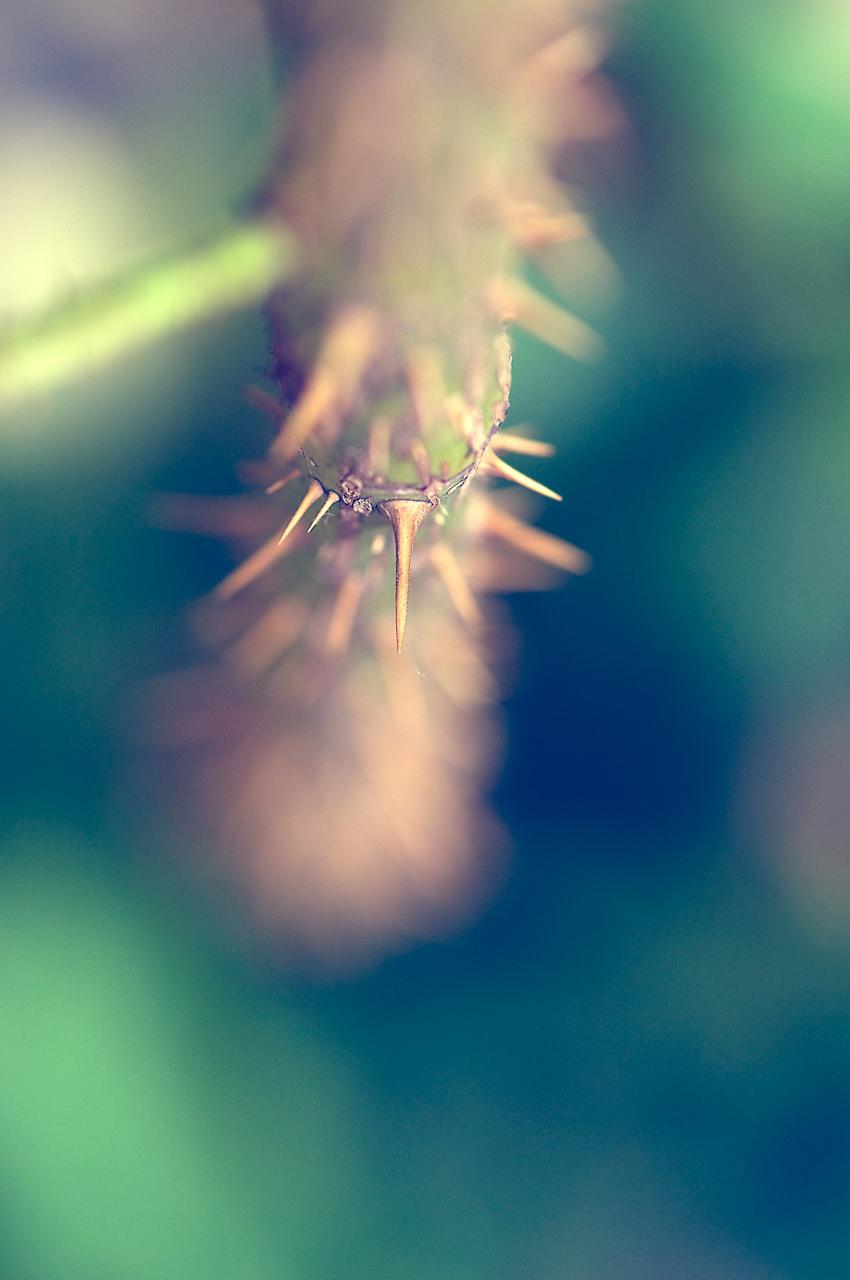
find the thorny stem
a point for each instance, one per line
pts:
(233, 268)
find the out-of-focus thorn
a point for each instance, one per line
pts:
(343, 613)
(380, 430)
(564, 72)
(508, 442)
(534, 227)
(261, 645)
(534, 542)
(457, 587)
(263, 400)
(463, 420)
(230, 517)
(324, 509)
(283, 481)
(427, 385)
(251, 569)
(498, 568)
(499, 467)
(405, 515)
(516, 302)
(350, 343)
(421, 461)
(577, 52)
(262, 474)
(311, 407)
(311, 497)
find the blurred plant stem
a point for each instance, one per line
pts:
(233, 268)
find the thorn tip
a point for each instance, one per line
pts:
(324, 509)
(405, 515)
(312, 496)
(507, 472)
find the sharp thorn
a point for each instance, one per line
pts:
(324, 509)
(405, 515)
(507, 472)
(312, 496)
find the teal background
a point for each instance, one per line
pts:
(636, 1064)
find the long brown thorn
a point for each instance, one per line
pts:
(405, 515)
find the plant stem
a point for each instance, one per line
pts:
(77, 335)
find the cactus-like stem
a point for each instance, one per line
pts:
(415, 174)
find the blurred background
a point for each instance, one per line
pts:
(636, 1064)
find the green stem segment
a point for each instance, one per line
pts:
(76, 336)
